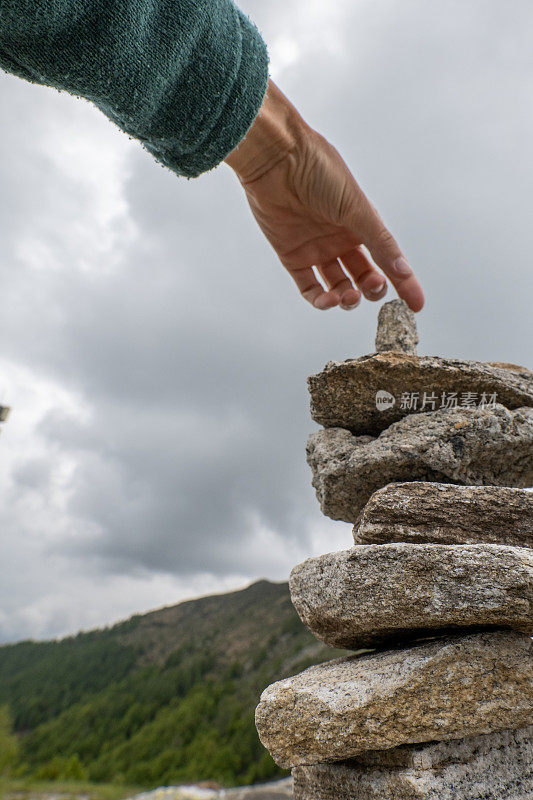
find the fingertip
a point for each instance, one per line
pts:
(326, 300)
(418, 305)
(351, 306)
(376, 293)
(350, 299)
(413, 296)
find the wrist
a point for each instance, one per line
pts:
(273, 135)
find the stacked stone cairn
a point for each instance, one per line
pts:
(430, 459)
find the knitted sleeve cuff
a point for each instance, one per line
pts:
(244, 101)
(184, 77)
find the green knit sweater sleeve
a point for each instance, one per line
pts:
(184, 77)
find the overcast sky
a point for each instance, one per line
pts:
(156, 448)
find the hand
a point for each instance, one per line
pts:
(314, 214)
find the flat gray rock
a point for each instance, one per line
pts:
(467, 446)
(434, 691)
(497, 766)
(365, 395)
(396, 328)
(442, 513)
(381, 593)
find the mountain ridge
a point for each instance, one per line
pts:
(162, 697)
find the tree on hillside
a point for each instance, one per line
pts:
(9, 746)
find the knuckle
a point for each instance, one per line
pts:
(385, 248)
(311, 292)
(386, 240)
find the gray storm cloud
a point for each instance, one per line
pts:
(155, 351)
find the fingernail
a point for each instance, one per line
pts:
(350, 308)
(401, 267)
(331, 299)
(377, 289)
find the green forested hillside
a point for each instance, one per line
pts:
(166, 697)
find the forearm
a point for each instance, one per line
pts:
(185, 77)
